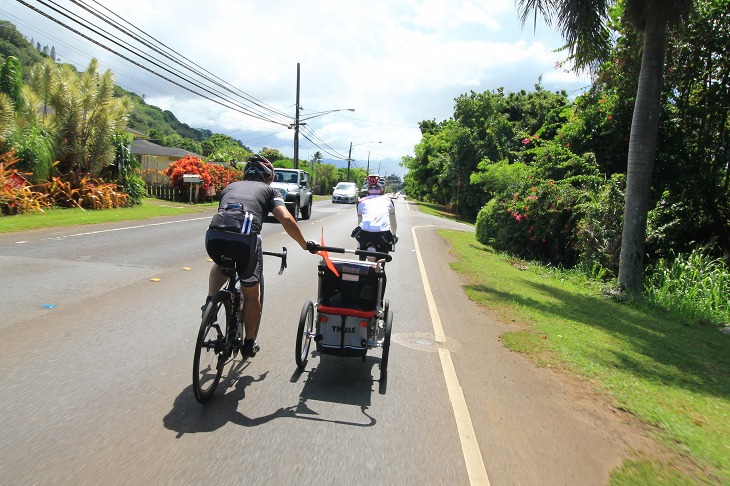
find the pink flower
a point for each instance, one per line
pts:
(525, 141)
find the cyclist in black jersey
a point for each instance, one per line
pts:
(246, 203)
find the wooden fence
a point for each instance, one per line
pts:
(169, 193)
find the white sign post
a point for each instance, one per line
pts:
(192, 179)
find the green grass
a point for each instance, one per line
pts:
(436, 210)
(149, 208)
(673, 376)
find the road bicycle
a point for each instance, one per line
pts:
(220, 337)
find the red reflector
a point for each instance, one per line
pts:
(363, 323)
(323, 318)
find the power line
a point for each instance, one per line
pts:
(243, 110)
(212, 78)
(260, 110)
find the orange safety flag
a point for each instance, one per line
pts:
(326, 257)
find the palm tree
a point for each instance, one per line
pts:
(584, 28)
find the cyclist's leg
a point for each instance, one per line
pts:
(216, 280)
(250, 290)
(251, 309)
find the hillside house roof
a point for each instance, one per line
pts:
(145, 147)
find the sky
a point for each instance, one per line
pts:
(394, 62)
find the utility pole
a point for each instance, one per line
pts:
(296, 126)
(349, 156)
(349, 159)
(298, 121)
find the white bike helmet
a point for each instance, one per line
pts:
(376, 184)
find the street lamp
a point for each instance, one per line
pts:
(349, 155)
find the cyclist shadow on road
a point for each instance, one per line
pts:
(348, 381)
(188, 416)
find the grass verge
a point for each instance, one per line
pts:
(673, 376)
(149, 208)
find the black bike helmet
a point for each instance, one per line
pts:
(258, 167)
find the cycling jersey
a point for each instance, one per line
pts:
(375, 211)
(257, 198)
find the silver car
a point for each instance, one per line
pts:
(345, 192)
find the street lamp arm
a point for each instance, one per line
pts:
(362, 143)
(320, 113)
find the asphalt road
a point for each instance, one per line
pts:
(96, 346)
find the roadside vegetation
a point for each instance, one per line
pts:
(662, 359)
(545, 175)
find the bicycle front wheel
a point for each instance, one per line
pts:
(210, 347)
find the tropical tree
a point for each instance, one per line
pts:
(11, 80)
(7, 117)
(588, 40)
(326, 177)
(272, 154)
(87, 115)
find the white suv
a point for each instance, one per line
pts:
(293, 185)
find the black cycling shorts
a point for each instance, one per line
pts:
(243, 252)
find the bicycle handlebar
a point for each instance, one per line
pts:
(282, 255)
(376, 254)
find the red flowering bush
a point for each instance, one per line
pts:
(188, 165)
(536, 223)
(221, 176)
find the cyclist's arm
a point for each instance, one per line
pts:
(290, 225)
(393, 222)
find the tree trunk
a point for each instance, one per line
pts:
(642, 151)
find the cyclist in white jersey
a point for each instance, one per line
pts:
(377, 226)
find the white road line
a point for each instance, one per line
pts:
(469, 445)
(125, 228)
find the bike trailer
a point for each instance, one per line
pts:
(346, 306)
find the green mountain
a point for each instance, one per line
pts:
(150, 119)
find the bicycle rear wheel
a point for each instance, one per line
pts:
(210, 347)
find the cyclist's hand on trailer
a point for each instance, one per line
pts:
(312, 247)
